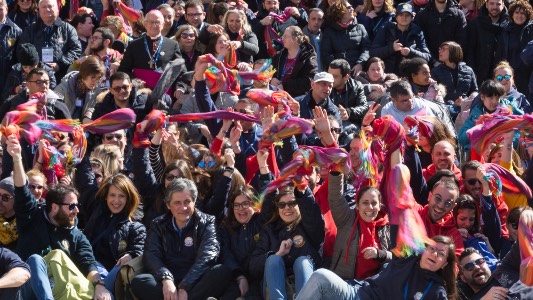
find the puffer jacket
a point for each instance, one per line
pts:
(466, 81)
(483, 39)
(307, 237)
(515, 39)
(123, 236)
(15, 78)
(351, 44)
(345, 218)
(353, 99)
(305, 68)
(184, 256)
(68, 88)
(63, 39)
(9, 34)
(372, 25)
(412, 38)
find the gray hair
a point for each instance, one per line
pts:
(179, 185)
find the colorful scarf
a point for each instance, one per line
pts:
(525, 241)
(501, 180)
(21, 122)
(418, 126)
(281, 129)
(152, 122)
(272, 38)
(274, 98)
(412, 236)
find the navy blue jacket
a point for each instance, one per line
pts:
(351, 44)
(465, 83)
(9, 34)
(372, 25)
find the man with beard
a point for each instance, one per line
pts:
(442, 157)
(484, 34)
(441, 21)
(51, 232)
(8, 223)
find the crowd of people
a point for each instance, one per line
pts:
(312, 135)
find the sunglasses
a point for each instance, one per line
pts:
(117, 89)
(246, 112)
(471, 265)
(473, 181)
(171, 177)
(203, 164)
(71, 206)
(244, 205)
(447, 204)
(432, 249)
(35, 187)
(335, 130)
(282, 205)
(187, 35)
(500, 78)
(6, 197)
(110, 137)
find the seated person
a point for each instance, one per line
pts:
(8, 223)
(13, 273)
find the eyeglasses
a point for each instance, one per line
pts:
(197, 15)
(282, 205)
(471, 265)
(71, 206)
(335, 130)
(156, 23)
(500, 78)
(514, 225)
(35, 187)
(245, 111)
(244, 205)
(203, 164)
(432, 249)
(447, 204)
(39, 82)
(187, 35)
(95, 38)
(111, 136)
(117, 89)
(6, 197)
(171, 177)
(473, 181)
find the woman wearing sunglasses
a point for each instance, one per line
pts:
(115, 237)
(24, 13)
(428, 276)
(289, 243)
(187, 38)
(363, 234)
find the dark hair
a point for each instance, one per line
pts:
(33, 7)
(447, 185)
(342, 65)
(491, 88)
(365, 189)
(438, 176)
(466, 201)
(36, 71)
(193, 3)
(253, 105)
(522, 5)
(211, 45)
(298, 34)
(470, 165)
(448, 272)
(246, 191)
(216, 11)
(336, 11)
(275, 215)
(455, 52)
(119, 76)
(316, 9)
(91, 66)
(107, 34)
(400, 87)
(58, 193)
(514, 214)
(79, 19)
(124, 184)
(467, 252)
(373, 60)
(182, 166)
(408, 67)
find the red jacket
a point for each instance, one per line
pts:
(431, 170)
(446, 226)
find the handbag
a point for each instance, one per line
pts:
(128, 271)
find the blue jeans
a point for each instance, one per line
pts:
(275, 275)
(325, 284)
(108, 277)
(39, 283)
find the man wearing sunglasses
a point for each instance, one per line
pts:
(8, 224)
(51, 230)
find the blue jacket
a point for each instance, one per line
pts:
(351, 44)
(412, 38)
(372, 26)
(465, 85)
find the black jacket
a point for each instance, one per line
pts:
(113, 236)
(184, 256)
(412, 38)
(9, 34)
(137, 102)
(439, 28)
(308, 236)
(351, 44)
(483, 39)
(353, 99)
(22, 19)
(15, 78)
(465, 83)
(249, 42)
(55, 108)
(37, 235)
(303, 71)
(63, 39)
(515, 39)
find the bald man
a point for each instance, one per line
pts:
(153, 51)
(442, 157)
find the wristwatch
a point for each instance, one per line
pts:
(229, 169)
(98, 281)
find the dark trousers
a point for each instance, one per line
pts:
(212, 284)
(10, 294)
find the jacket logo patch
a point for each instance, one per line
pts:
(122, 245)
(418, 296)
(11, 41)
(65, 244)
(298, 241)
(188, 241)
(256, 237)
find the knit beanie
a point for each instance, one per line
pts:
(27, 55)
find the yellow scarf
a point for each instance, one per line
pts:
(8, 231)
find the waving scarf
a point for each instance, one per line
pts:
(274, 98)
(493, 126)
(285, 128)
(501, 180)
(272, 38)
(525, 241)
(418, 125)
(21, 122)
(412, 236)
(304, 159)
(366, 169)
(153, 121)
